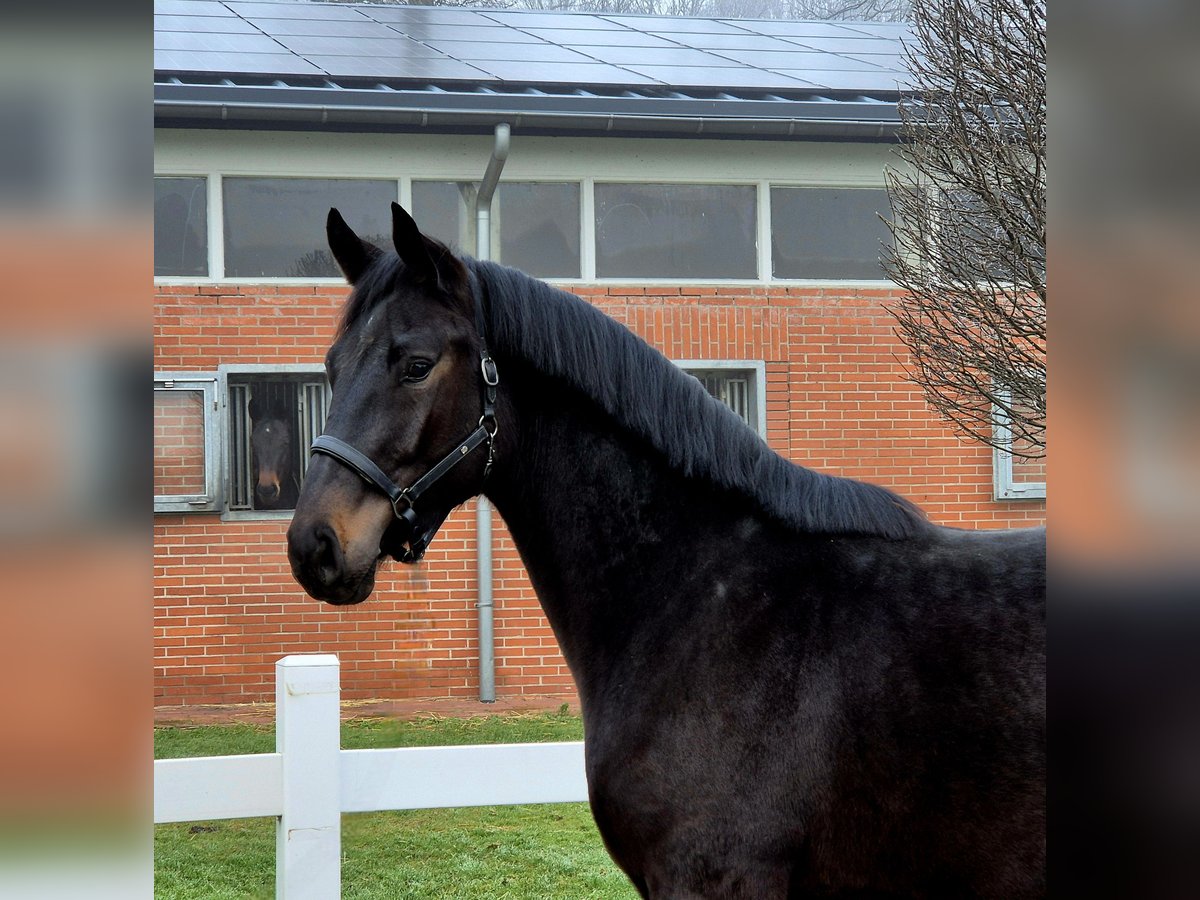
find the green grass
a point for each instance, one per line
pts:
(502, 852)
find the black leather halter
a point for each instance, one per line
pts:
(404, 499)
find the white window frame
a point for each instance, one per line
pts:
(758, 389)
(587, 204)
(1004, 484)
(213, 498)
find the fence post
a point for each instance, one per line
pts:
(308, 841)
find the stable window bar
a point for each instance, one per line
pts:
(737, 385)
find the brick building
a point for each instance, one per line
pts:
(712, 184)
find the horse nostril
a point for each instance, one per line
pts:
(316, 556)
(328, 556)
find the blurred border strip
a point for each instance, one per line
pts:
(76, 155)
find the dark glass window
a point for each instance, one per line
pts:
(676, 231)
(535, 225)
(833, 233)
(276, 226)
(181, 226)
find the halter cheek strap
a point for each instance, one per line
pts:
(403, 500)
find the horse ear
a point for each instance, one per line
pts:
(353, 254)
(253, 407)
(411, 246)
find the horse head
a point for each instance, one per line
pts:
(271, 454)
(405, 374)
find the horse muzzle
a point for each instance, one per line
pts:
(319, 565)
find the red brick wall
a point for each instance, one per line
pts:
(178, 442)
(226, 606)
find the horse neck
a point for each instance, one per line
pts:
(597, 517)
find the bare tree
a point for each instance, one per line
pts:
(969, 217)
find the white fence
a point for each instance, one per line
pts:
(308, 782)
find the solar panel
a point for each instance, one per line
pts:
(852, 81)
(529, 47)
(493, 34)
(326, 27)
(411, 67)
(598, 38)
(214, 43)
(675, 25)
(478, 50)
(396, 47)
(568, 21)
(800, 59)
(232, 63)
(732, 42)
(705, 77)
(673, 56)
(424, 15)
(892, 31)
(190, 8)
(850, 46)
(215, 24)
(782, 28)
(295, 10)
(563, 73)
(888, 62)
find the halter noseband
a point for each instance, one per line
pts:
(403, 500)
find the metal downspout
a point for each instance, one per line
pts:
(483, 508)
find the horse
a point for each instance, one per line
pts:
(792, 684)
(272, 454)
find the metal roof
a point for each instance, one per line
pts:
(370, 66)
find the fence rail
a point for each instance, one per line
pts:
(309, 781)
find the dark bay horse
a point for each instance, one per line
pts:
(272, 455)
(793, 685)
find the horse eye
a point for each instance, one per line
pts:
(418, 369)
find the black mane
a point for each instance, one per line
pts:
(563, 336)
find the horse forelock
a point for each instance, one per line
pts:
(559, 334)
(379, 281)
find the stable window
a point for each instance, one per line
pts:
(1017, 475)
(272, 419)
(275, 227)
(185, 444)
(236, 441)
(696, 231)
(181, 226)
(828, 233)
(739, 384)
(534, 225)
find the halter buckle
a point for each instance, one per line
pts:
(491, 376)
